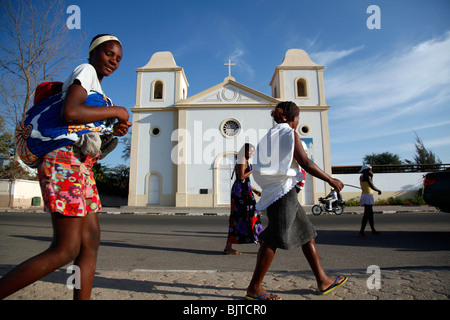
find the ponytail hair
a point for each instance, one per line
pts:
(285, 111)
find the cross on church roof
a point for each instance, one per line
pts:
(229, 64)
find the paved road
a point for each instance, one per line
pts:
(179, 257)
(163, 242)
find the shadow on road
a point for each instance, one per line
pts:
(400, 240)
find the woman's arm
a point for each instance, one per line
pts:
(369, 180)
(240, 169)
(302, 158)
(75, 110)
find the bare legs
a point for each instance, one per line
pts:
(311, 254)
(87, 257)
(265, 257)
(74, 238)
(368, 216)
(263, 261)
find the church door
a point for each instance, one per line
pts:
(153, 189)
(225, 168)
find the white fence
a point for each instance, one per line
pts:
(404, 184)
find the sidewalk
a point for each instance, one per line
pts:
(396, 284)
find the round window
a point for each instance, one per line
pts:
(230, 128)
(304, 129)
(155, 131)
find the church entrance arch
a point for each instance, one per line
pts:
(224, 167)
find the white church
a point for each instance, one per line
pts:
(183, 149)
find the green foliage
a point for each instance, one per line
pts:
(113, 181)
(6, 140)
(352, 202)
(382, 158)
(423, 155)
(416, 200)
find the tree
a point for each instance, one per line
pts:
(17, 170)
(382, 158)
(35, 47)
(6, 140)
(423, 155)
(126, 141)
(113, 181)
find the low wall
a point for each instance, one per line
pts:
(19, 193)
(405, 184)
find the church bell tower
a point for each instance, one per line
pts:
(300, 80)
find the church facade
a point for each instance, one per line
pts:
(183, 149)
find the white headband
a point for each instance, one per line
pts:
(100, 40)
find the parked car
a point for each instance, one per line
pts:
(436, 189)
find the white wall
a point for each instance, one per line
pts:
(168, 78)
(21, 192)
(390, 184)
(203, 125)
(312, 86)
(155, 155)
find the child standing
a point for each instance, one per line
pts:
(67, 181)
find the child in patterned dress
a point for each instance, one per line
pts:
(67, 181)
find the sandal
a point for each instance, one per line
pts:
(231, 252)
(333, 286)
(261, 297)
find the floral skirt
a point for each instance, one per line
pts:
(67, 183)
(245, 221)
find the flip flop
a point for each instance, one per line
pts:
(247, 297)
(333, 286)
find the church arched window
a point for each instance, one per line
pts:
(158, 90)
(302, 89)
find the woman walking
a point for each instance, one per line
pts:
(277, 171)
(245, 222)
(65, 172)
(366, 199)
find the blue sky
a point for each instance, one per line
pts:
(382, 84)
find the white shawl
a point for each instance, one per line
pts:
(274, 168)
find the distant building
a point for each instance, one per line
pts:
(183, 149)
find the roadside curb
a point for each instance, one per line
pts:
(224, 211)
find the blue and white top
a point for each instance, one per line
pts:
(43, 130)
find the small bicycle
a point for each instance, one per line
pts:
(337, 207)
